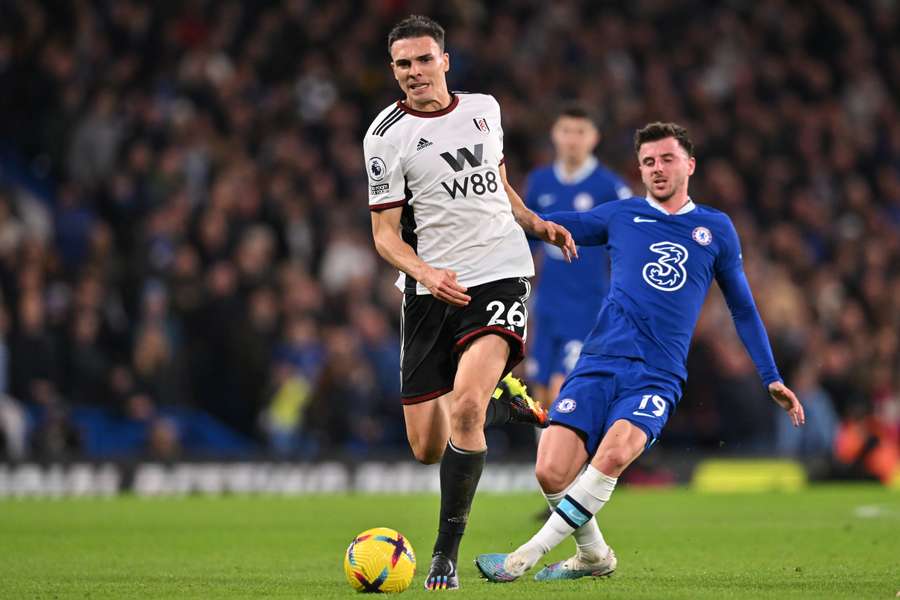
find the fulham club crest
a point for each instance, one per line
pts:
(481, 124)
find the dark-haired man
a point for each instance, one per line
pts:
(567, 296)
(665, 251)
(444, 214)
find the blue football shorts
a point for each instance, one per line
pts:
(603, 389)
(552, 349)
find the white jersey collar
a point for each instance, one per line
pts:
(684, 209)
(580, 174)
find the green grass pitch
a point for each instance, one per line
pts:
(825, 542)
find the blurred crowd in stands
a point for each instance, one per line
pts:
(185, 248)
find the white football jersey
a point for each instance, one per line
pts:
(443, 168)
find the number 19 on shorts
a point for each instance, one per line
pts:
(658, 409)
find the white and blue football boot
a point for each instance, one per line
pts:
(492, 569)
(575, 568)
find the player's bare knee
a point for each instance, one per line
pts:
(466, 421)
(551, 475)
(467, 413)
(614, 460)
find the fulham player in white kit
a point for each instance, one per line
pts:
(444, 214)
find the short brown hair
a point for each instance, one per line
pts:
(415, 26)
(576, 110)
(653, 132)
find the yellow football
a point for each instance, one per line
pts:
(380, 560)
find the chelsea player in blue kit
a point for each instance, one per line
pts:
(665, 253)
(568, 294)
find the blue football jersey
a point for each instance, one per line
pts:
(662, 268)
(575, 289)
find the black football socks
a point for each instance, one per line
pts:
(460, 472)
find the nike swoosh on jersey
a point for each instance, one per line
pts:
(642, 220)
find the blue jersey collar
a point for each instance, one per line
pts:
(684, 209)
(580, 174)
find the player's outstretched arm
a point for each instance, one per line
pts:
(752, 332)
(786, 399)
(535, 226)
(441, 283)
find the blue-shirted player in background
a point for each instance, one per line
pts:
(665, 251)
(567, 295)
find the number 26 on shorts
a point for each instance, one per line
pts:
(516, 316)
